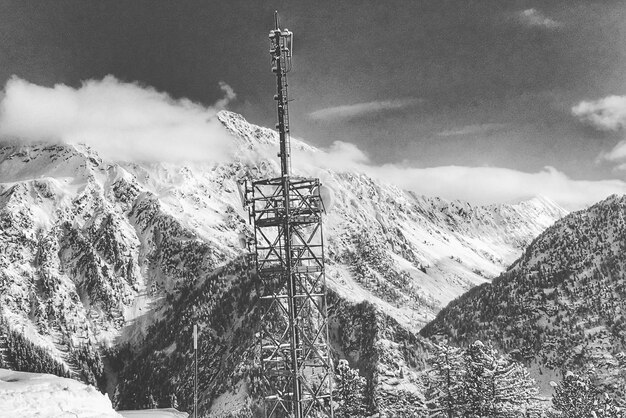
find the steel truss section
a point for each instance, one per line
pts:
(295, 357)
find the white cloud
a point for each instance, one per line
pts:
(123, 121)
(484, 185)
(478, 185)
(535, 18)
(606, 114)
(128, 121)
(229, 96)
(362, 109)
(340, 154)
(483, 128)
(618, 153)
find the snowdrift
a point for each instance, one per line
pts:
(44, 395)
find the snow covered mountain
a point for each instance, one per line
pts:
(561, 306)
(94, 251)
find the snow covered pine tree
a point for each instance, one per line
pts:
(444, 381)
(349, 392)
(577, 397)
(478, 382)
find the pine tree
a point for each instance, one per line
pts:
(152, 403)
(575, 397)
(349, 392)
(173, 401)
(476, 393)
(477, 382)
(513, 388)
(443, 381)
(116, 397)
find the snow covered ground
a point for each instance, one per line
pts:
(30, 395)
(44, 395)
(154, 413)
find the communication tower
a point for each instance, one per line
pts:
(286, 213)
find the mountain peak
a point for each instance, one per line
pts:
(250, 134)
(253, 135)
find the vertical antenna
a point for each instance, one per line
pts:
(289, 255)
(281, 42)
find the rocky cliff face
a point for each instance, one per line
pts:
(92, 252)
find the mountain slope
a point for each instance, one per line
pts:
(93, 252)
(561, 305)
(86, 248)
(159, 372)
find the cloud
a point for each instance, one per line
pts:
(483, 128)
(617, 154)
(362, 109)
(534, 18)
(484, 185)
(229, 96)
(123, 121)
(478, 185)
(341, 154)
(126, 121)
(606, 114)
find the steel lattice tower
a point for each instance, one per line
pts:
(287, 216)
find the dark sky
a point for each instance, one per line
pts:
(425, 83)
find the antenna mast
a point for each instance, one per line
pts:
(286, 213)
(281, 44)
